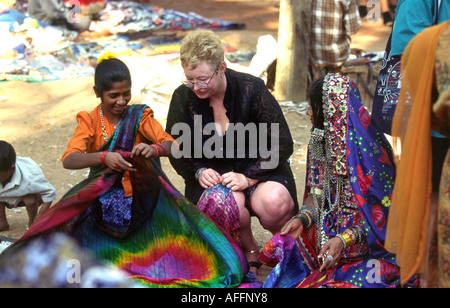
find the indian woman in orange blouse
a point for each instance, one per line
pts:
(96, 127)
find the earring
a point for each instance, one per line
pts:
(316, 145)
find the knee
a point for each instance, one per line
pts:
(31, 200)
(277, 204)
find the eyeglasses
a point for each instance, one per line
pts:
(200, 84)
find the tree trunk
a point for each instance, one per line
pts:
(291, 83)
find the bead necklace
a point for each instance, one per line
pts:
(316, 150)
(321, 212)
(102, 121)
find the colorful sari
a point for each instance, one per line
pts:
(356, 176)
(165, 241)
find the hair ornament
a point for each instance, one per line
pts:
(107, 55)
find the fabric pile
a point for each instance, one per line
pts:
(125, 16)
(36, 52)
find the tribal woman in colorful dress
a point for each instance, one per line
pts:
(340, 229)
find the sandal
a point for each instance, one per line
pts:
(257, 264)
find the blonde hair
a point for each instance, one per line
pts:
(201, 46)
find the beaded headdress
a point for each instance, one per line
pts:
(335, 102)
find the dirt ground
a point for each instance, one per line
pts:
(39, 119)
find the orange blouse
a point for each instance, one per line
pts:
(88, 136)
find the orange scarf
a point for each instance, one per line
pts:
(408, 224)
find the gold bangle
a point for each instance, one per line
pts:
(347, 238)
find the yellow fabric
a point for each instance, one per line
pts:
(409, 215)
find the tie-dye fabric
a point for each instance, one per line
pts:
(283, 255)
(167, 242)
(219, 205)
(177, 246)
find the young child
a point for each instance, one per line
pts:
(22, 184)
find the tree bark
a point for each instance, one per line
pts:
(291, 83)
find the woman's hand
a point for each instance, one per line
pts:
(116, 162)
(209, 178)
(113, 160)
(148, 150)
(143, 149)
(335, 247)
(235, 181)
(294, 227)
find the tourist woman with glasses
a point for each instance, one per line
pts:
(222, 121)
